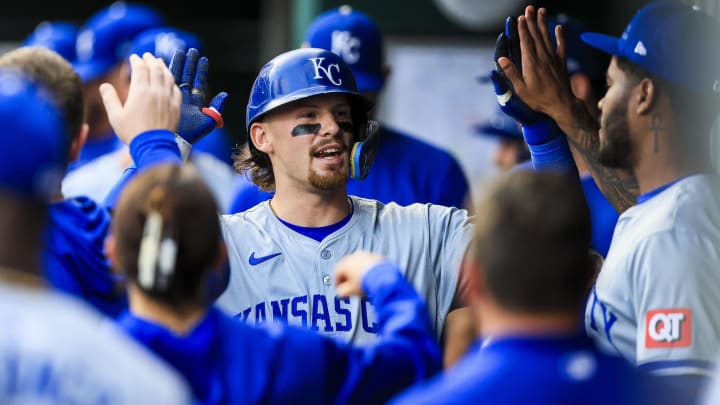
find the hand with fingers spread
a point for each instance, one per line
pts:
(350, 271)
(540, 78)
(153, 100)
(190, 72)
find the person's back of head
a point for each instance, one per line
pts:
(357, 39)
(32, 161)
(166, 235)
(56, 74)
(104, 39)
(532, 241)
(59, 36)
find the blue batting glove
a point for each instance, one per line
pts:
(190, 72)
(538, 128)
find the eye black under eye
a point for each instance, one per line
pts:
(346, 126)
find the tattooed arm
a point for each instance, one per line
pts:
(544, 86)
(619, 186)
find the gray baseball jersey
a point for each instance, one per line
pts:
(277, 273)
(656, 299)
(55, 349)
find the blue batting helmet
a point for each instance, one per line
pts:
(299, 74)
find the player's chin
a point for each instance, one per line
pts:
(329, 179)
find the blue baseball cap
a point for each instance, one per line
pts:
(500, 126)
(581, 58)
(34, 147)
(356, 38)
(164, 41)
(59, 36)
(671, 40)
(104, 40)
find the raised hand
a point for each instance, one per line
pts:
(153, 100)
(190, 73)
(540, 79)
(351, 269)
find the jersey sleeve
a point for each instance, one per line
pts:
(676, 303)
(404, 354)
(450, 234)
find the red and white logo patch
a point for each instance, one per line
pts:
(668, 328)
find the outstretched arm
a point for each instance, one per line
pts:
(342, 373)
(541, 81)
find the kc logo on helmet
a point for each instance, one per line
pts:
(668, 328)
(326, 70)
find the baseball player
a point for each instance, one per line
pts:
(53, 348)
(74, 259)
(430, 174)
(304, 119)
(309, 130)
(527, 289)
(654, 299)
(102, 43)
(163, 240)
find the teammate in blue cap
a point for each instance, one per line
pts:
(529, 272)
(655, 298)
(166, 238)
(102, 45)
(406, 169)
(55, 349)
(60, 36)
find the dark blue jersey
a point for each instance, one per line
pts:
(230, 362)
(602, 214)
(540, 370)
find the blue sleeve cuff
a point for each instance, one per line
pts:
(541, 132)
(154, 147)
(553, 155)
(383, 275)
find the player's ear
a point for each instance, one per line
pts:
(581, 86)
(260, 137)
(646, 96)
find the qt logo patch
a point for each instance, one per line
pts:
(668, 328)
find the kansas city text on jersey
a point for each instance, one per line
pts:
(318, 312)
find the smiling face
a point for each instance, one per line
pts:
(308, 142)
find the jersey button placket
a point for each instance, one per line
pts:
(325, 254)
